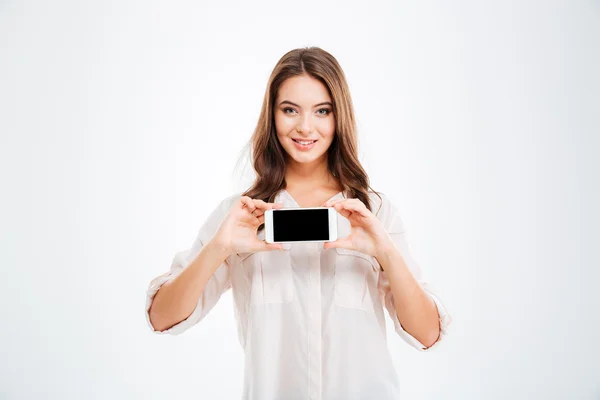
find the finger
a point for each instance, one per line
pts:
(266, 206)
(247, 203)
(353, 206)
(331, 203)
(264, 246)
(273, 246)
(261, 206)
(258, 213)
(259, 216)
(254, 218)
(336, 204)
(344, 213)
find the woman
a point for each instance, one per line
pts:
(310, 315)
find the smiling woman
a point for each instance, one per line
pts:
(311, 315)
(306, 133)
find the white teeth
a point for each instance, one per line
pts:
(304, 143)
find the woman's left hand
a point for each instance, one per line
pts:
(367, 234)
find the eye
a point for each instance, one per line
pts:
(288, 110)
(326, 111)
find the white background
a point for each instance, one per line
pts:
(121, 124)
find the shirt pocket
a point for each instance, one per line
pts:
(269, 276)
(350, 280)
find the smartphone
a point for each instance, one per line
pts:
(309, 224)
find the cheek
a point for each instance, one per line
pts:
(327, 128)
(282, 124)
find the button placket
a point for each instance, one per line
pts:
(314, 321)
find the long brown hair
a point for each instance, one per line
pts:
(268, 156)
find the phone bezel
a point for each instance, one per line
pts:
(332, 217)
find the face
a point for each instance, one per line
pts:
(304, 119)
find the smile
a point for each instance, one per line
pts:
(304, 144)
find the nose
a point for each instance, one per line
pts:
(304, 125)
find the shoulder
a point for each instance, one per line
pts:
(222, 207)
(216, 215)
(384, 208)
(379, 202)
(227, 202)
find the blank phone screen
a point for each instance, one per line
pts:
(300, 225)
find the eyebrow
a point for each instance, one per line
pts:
(325, 103)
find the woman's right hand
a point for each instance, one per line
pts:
(237, 232)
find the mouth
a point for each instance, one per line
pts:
(304, 144)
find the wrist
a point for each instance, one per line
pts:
(384, 249)
(220, 248)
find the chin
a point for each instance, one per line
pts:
(305, 158)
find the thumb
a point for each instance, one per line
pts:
(272, 246)
(346, 244)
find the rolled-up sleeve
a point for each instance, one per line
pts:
(218, 284)
(395, 227)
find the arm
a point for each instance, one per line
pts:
(415, 309)
(405, 294)
(177, 298)
(418, 315)
(199, 275)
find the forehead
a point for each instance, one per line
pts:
(303, 90)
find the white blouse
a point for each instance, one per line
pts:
(310, 320)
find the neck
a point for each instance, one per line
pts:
(311, 175)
